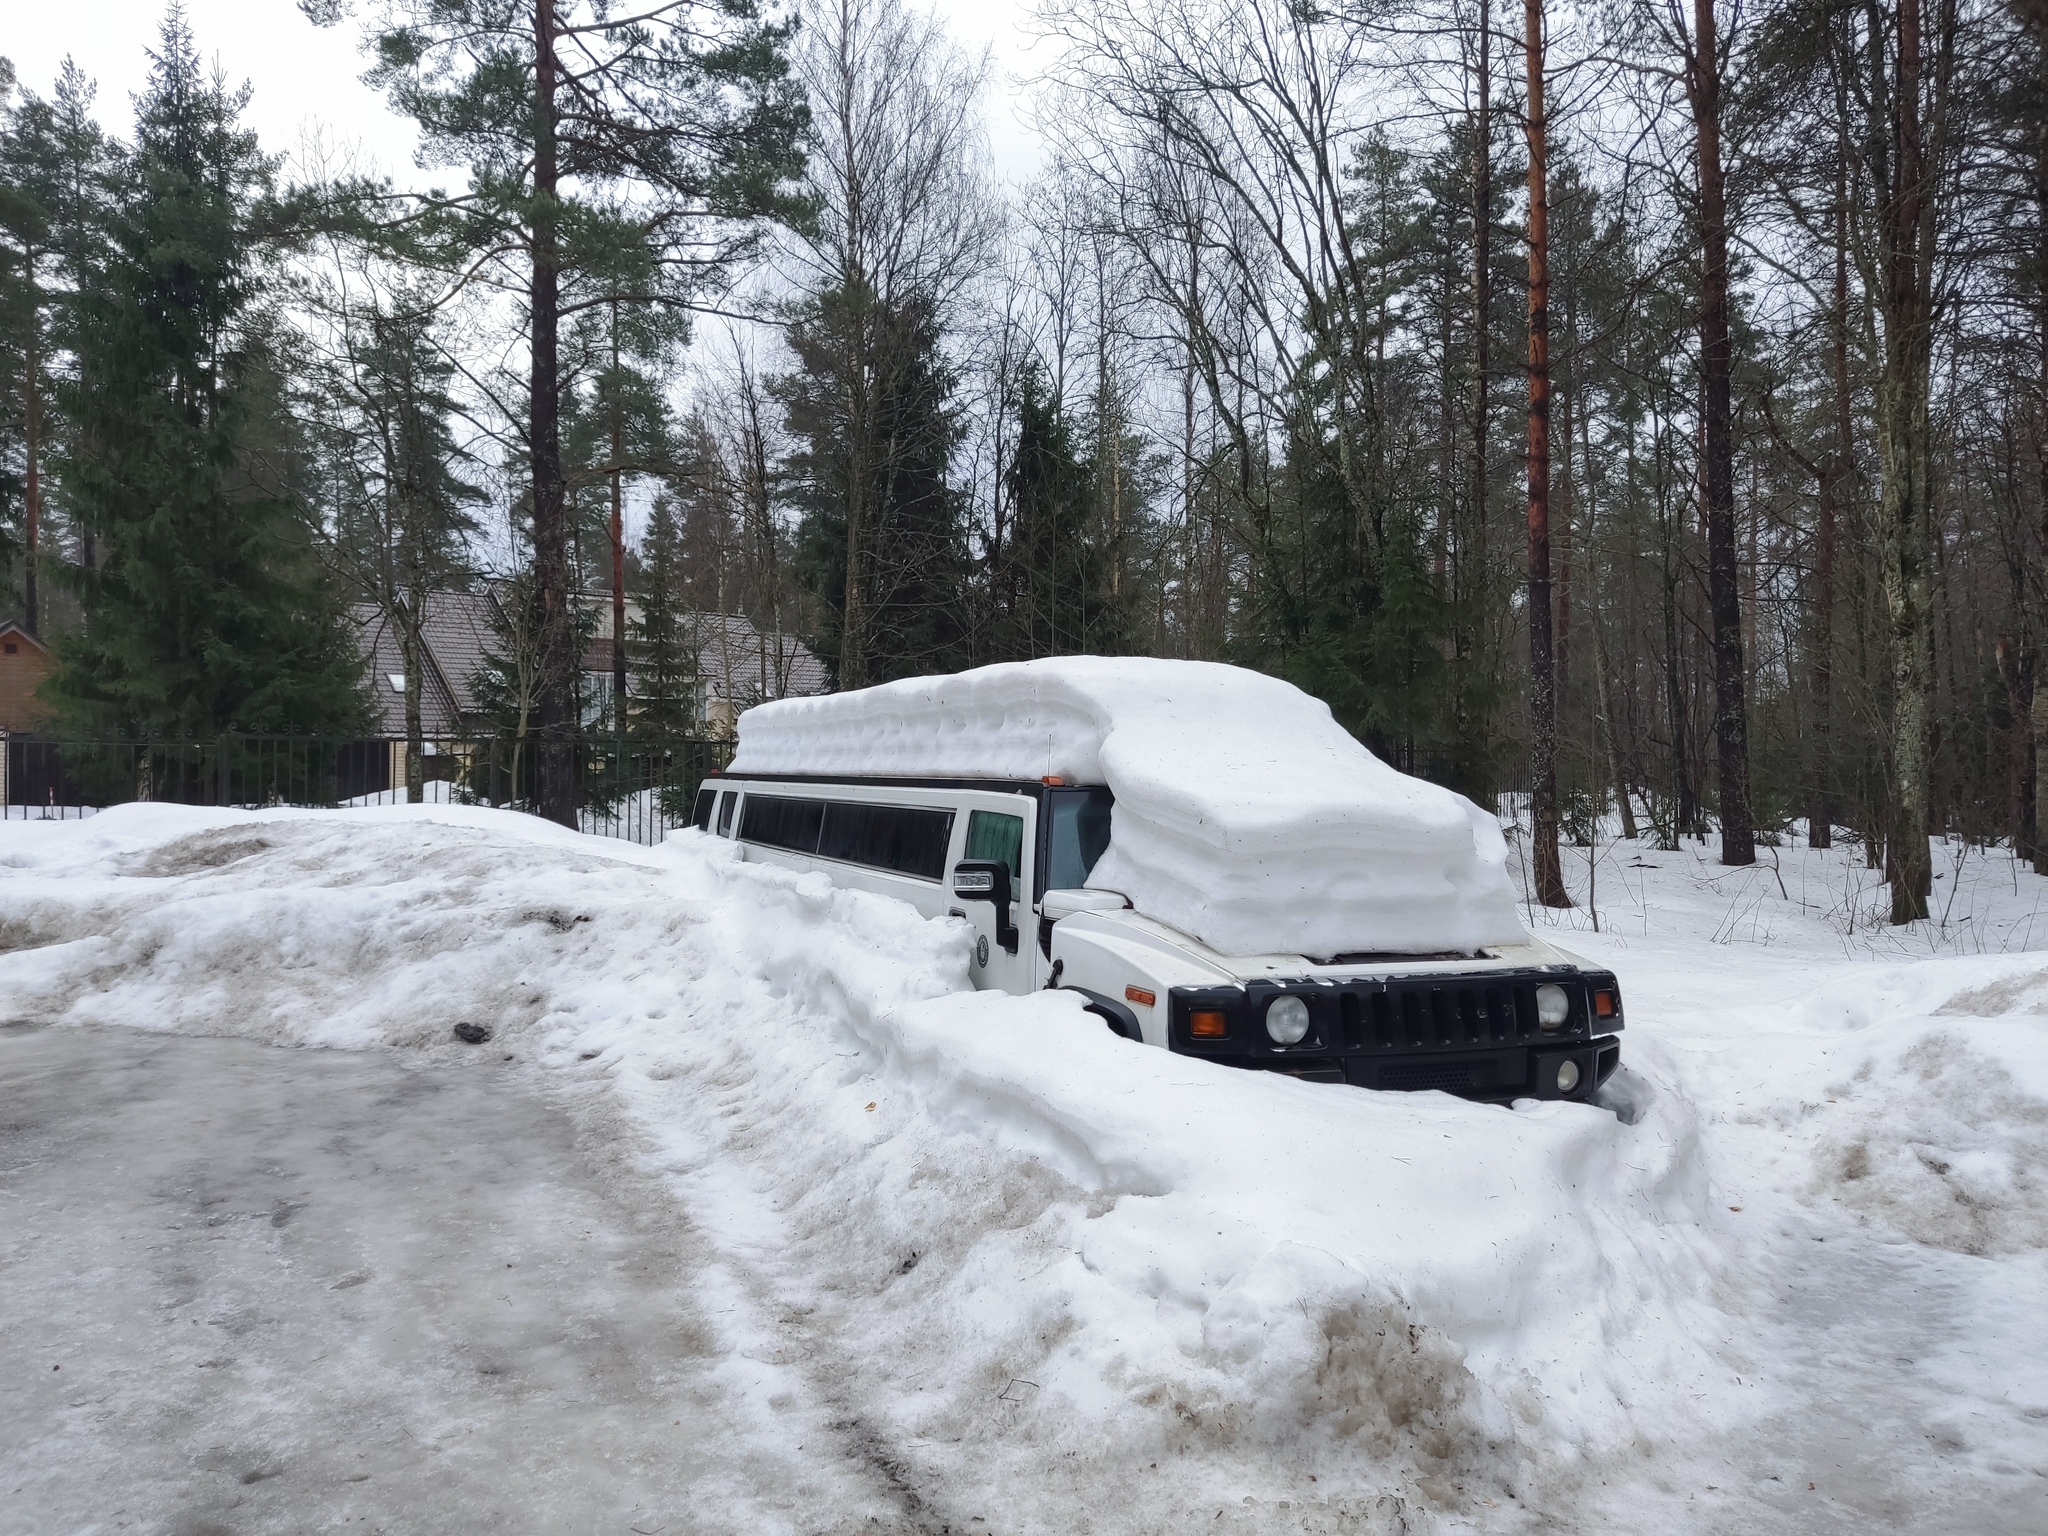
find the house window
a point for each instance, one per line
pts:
(13, 649)
(396, 680)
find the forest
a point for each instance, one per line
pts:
(1640, 407)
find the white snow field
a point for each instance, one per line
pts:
(1245, 815)
(943, 1261)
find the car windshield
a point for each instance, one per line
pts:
(1077, 835)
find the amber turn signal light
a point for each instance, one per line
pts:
(1208, 1024)
(1140, 995)
(1604, 1005)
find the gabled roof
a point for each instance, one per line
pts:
(739, 662)
(12, 629)
(456, 629)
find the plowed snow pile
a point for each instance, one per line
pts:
(1112, 1289)
(1245, 814)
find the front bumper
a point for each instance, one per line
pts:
(1477, 1036)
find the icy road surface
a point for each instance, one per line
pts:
(260, 1290)
(801, 1238)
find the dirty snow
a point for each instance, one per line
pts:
(1074, 1284)
(1245, 814)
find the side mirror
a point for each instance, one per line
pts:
(988, 880)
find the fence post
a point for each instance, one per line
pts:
(220, 766)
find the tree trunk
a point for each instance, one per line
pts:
(1482, 274)
(1548, 876)
(1906, 516)
(618, 531)
(412, 656)
(555, 709)
(2037, 724)
(1841, 466)
(31, 442)
(1731, 721)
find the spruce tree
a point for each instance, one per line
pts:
(204, 612)
(913, 558)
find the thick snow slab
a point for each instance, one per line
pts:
(1245, 815)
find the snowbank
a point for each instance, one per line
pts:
(1111, 1289)
(975, 1190)
(1245, 815)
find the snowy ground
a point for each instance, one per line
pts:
(982, 1265)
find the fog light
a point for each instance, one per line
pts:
(1287, 1020)
(1553, 1006)
(1567, 1077)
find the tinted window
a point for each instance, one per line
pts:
(726, 802)
(892, 837)
(1077, 837)
(776, 822)
(992, 835)
(701, 814)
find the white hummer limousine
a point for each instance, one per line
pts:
(1019, 860)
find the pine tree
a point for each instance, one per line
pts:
(666, 683)
(911, 584)
(204, 612)
(54, 166)
(616, 157)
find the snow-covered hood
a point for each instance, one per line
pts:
(1245, 815)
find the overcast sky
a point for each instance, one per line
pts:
(305, 78)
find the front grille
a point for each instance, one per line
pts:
(1451, 1076)
(1419, 1015)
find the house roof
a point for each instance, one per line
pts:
(734, 658)
(456, 628)
(739, 662)
(13, 630)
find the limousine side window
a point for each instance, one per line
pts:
(700, 813)
(992, 835)
(1077, 835)
(903, 840)
(726, 802)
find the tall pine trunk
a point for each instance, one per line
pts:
(2037, 722)
(1724, 600)
(1548, 876)
(1834, 482)
(1905, 511)
(1482, 286)
(555, 708)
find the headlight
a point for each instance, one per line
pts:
(1553, 1005)
(1567, 1076)
(1287, 1020)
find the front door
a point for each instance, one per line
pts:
(1000, 827)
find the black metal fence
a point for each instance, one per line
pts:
(636, 788)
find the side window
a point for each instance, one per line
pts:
(992, 835)
(700, 815)
(901, 839)
(776, 821)
(1079, 836)
(726, 802)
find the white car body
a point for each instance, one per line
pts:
(1470, 1024)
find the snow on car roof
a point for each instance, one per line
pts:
(1245, 814)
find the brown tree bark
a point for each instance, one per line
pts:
(1724, 600)
(1548, 876)
(555, 720)
(618, 532)
(1482, 272)
(2037, 715)
(1834, 481)
(32, 468)
(1906, 514)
